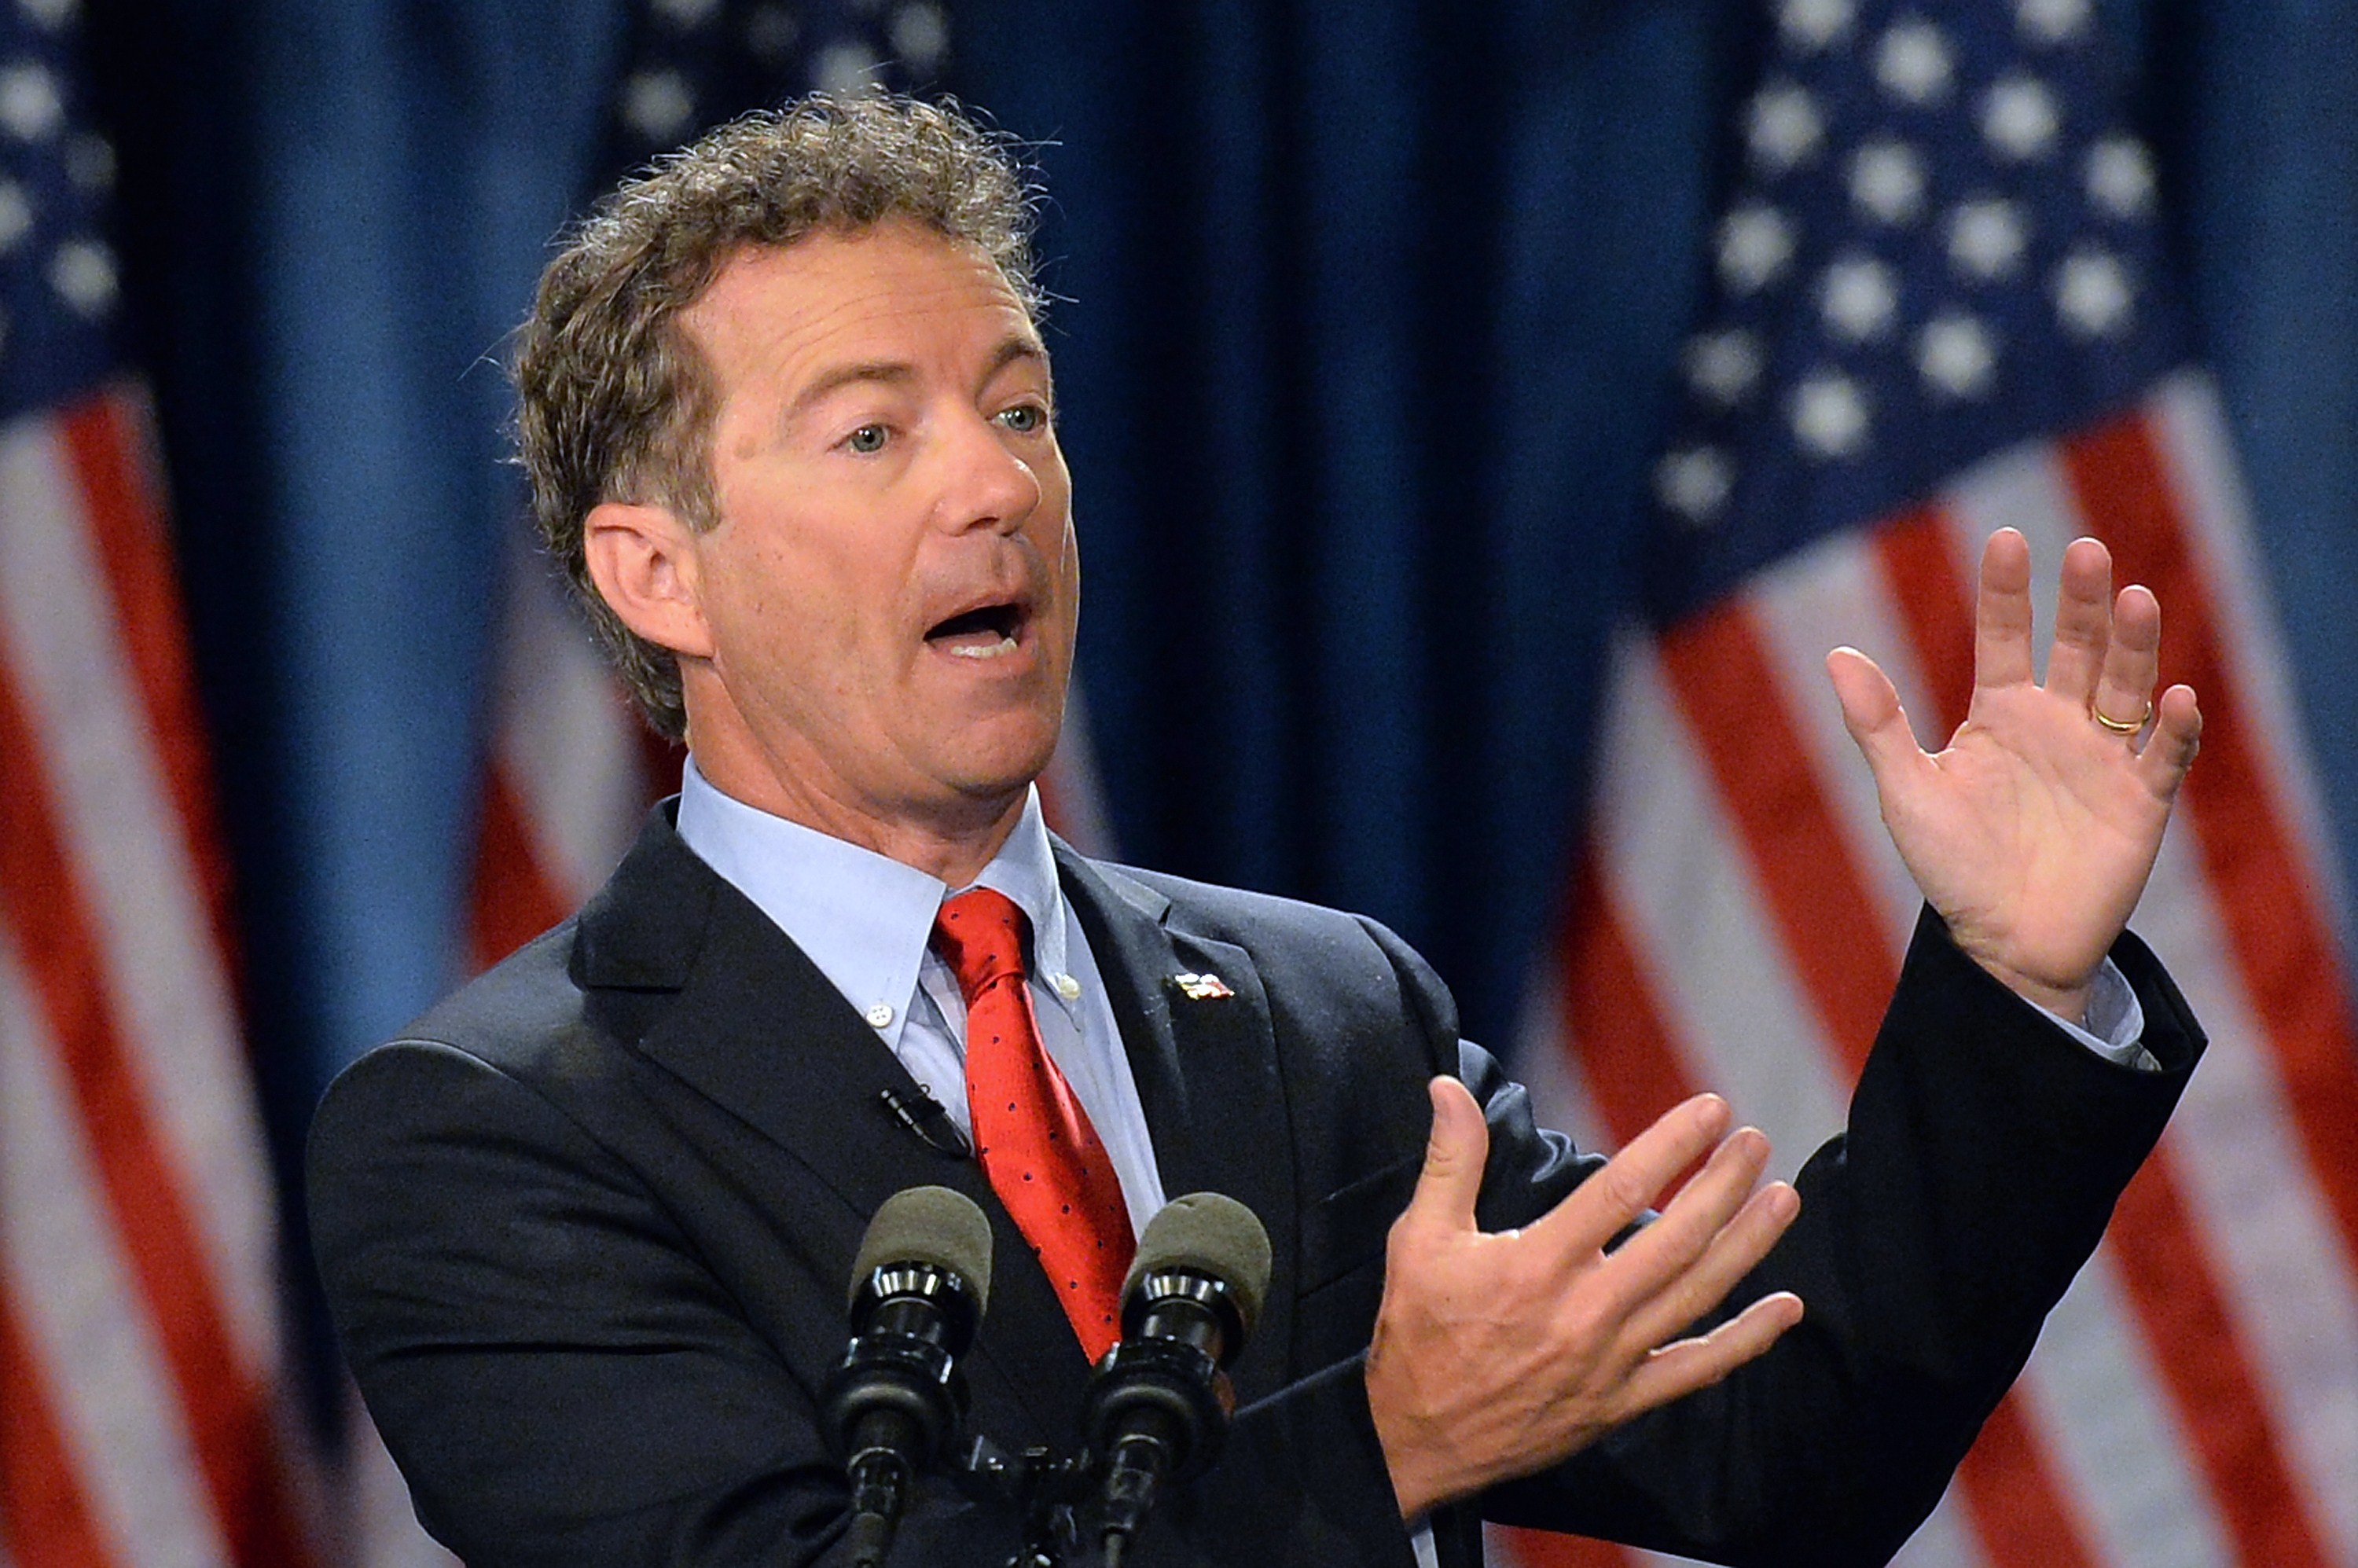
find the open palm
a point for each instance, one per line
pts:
(2033, 832)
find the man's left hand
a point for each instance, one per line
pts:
(2033, 833)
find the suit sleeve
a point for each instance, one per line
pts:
(1983, 1156)
(559, 1376)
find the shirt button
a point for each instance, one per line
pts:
(1067, 988)
(879, 1015)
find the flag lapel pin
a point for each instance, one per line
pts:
(1202, 988)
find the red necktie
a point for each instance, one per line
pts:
(1036, 1142)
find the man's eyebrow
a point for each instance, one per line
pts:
(888, 371)
(1014, 350)
(897, 372)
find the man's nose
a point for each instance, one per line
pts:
(987, 485)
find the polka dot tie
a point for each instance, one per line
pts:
(1036, 1142)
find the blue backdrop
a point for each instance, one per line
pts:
(1370, 308)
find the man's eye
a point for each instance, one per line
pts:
(1025, 418)
(867, 439)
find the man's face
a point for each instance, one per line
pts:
(892, 588)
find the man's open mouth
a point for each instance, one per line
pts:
(985, 632)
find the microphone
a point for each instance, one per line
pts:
(1159, 1406)
(895, 1401)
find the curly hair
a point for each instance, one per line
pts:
(615, 400)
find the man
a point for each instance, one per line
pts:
(586, 1227)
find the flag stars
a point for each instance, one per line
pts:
(659, 105)
(2051, 21)
(1956, 356)
(1859, 295)
(1830, 414)
(2020, 119)
(1783, 128)
(1887, 181)
(1913, 63)
(1723, 367)
(83, 272)
(50, 13)
(1986, 238)
(1809, 26)
(921, 36)
(845, 66)
(1756, 246)
(2093, 293)
(31, 108)
(684, 14)
(2120, 177)
(1695, 482)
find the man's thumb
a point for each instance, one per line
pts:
(1451, 1178)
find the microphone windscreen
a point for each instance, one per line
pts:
(1211, 1233)
(932, 1226)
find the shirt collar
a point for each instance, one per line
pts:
(863, 918)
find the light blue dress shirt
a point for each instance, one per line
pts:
(867, 923)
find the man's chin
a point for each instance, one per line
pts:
(1003, 775)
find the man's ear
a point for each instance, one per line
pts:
(643, 561)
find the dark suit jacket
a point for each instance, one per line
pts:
(586, 1230)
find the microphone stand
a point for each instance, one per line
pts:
(1046, 1488)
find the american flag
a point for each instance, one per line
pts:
(1940, 306)
(140, 1361)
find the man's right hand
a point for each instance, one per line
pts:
(1497, 1355)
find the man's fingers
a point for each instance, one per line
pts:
(1453, 1154)
(2133, 659)
(2002, 613)
(1679, 1234)
(1603, 1206)
(1871, 712)
(2169, 751)
(2083, 623)
(1732, 1252)
(1681, 1368)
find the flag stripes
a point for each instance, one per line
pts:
(514, 899)
(2262, 1201)
(568, 780)
(42, 1505)
(1729, 703)
(2172, 1287)
(140, 1276)
(97, 1359)
(1736, 921)
(2115, 1439)
(105, 439)
(2281, 940)
(2025, 1519)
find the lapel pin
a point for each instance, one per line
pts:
(1202, 988)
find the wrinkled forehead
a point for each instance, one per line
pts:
(773, 308)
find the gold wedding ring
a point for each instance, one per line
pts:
(2119, 726)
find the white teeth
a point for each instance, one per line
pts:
(998, 650)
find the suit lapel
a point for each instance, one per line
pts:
(1207, 1073)
(758, 1029)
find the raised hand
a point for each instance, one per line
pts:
(1495, 1354)
(2033, 832)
